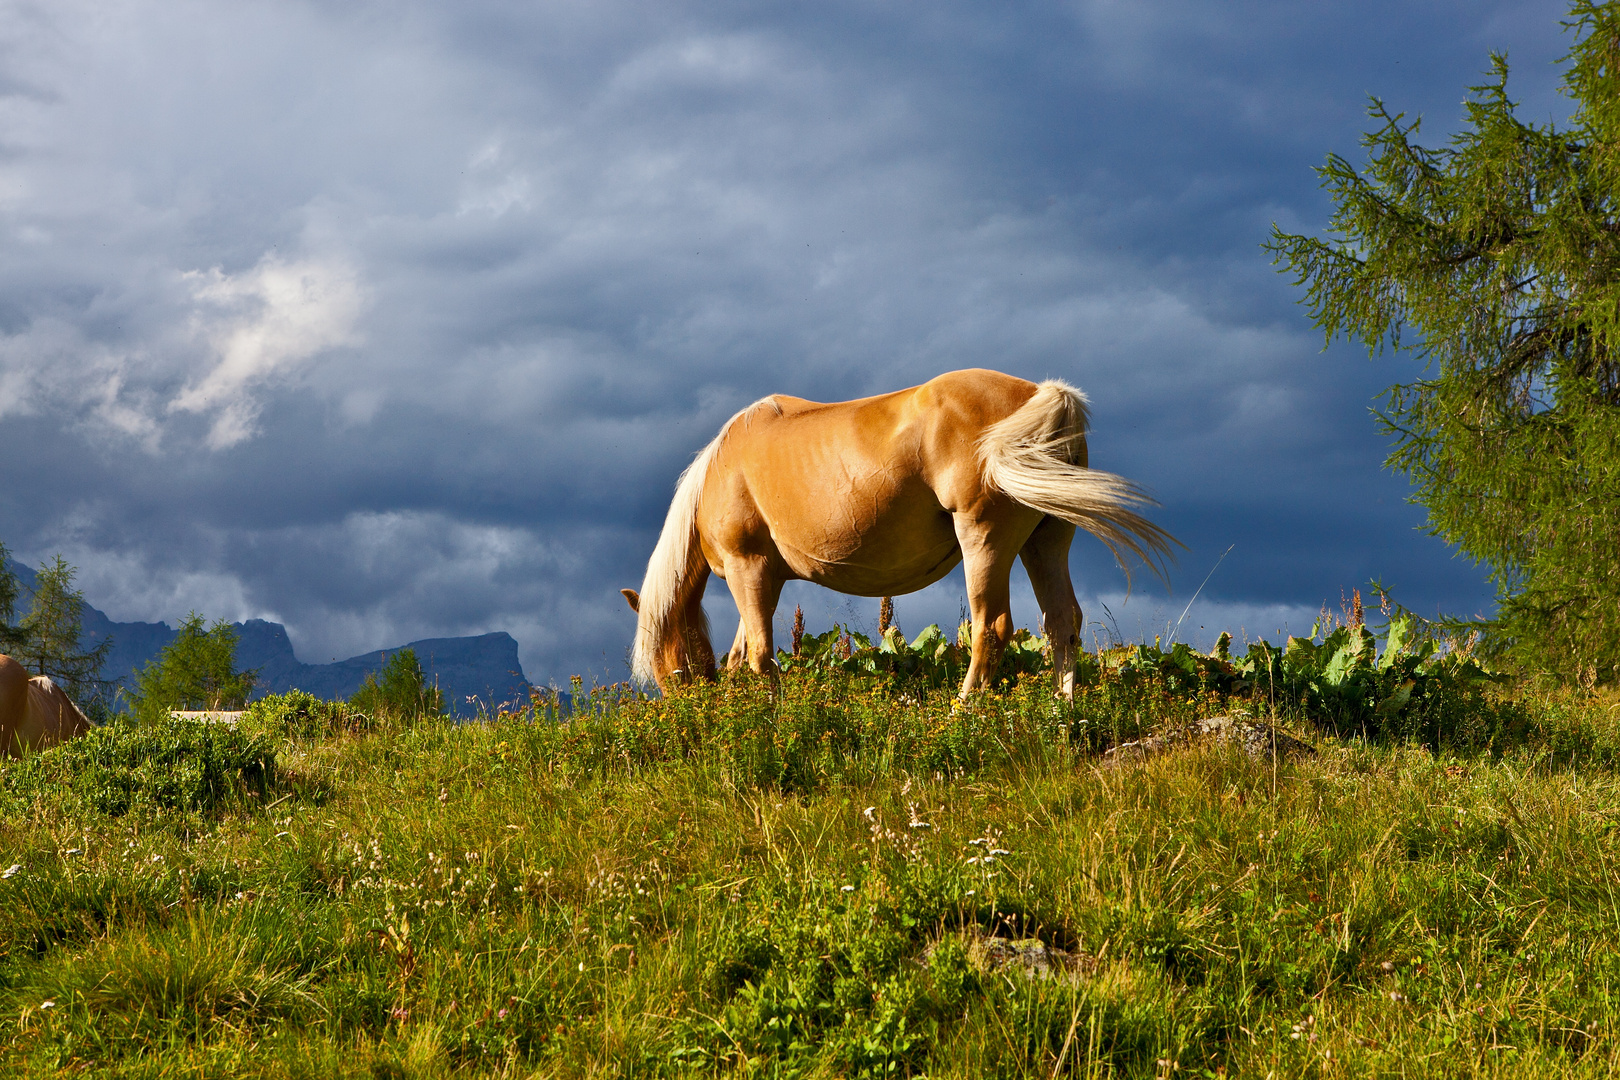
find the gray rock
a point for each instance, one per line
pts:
(1030, 957)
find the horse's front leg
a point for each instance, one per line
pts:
(756, 590)
(1046, 558)
(987, 558)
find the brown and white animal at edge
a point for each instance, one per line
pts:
(884, 496)
(34, 712)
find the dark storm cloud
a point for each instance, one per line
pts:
(391, 321)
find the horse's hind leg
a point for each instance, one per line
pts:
(756, 591)
(1046, 558)
(988, 550)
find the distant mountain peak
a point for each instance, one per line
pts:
(476, 673)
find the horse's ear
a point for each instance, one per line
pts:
(632, 598)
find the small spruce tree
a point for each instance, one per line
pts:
(400, 691)
(197, 670)
(1497, 259)
(48, 638)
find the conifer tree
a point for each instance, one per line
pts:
(50, 635)
(197, 670)
(11, 635)
(399, 691)
(1496, 258)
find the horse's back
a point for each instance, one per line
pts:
(55, 718)
(945, 407)
(34, 712)
(976, 394)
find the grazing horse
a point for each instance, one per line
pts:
(883, 496)
(34, 713)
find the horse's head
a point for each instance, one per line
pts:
(673, 650)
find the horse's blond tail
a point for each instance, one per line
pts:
(1032, 455)
(674, 559)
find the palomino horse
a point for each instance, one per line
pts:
(34, 713)
(884, 496)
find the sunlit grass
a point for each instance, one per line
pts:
(733, 882)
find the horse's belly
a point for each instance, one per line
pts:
(888, 558)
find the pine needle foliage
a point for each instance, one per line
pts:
(1496, 258)
(399, 691)
(197, 670)
(48, 640)
(11, 635)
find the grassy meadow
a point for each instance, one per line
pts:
(820, 882)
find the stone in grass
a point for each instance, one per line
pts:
(1031, 957)
(1256, 739)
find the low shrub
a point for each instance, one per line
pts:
(300, 715)
(189, 766)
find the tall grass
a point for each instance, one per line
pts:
(736, 881)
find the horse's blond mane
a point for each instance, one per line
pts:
(1032, 456)
(668, 569)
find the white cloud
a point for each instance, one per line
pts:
(54, 365)
(125, 586)
(262, 325)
